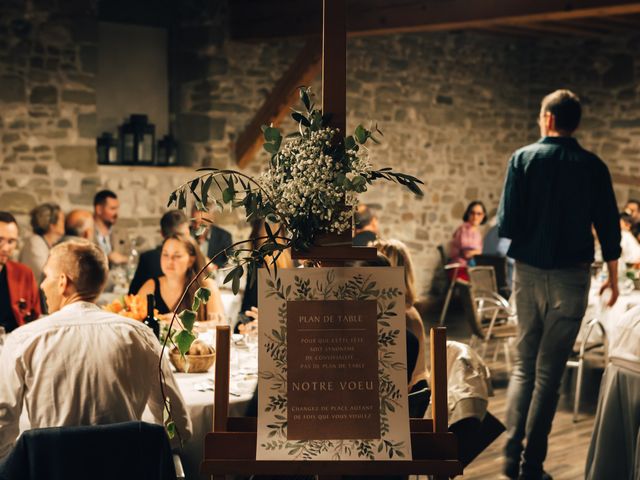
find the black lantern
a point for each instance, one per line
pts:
(107, 148)
(167, 150)
(137, 141)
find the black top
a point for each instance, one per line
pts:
(363, 238)
(219, 240)
(554, 192)
(7, 319)
(148, 267)
(160, 305)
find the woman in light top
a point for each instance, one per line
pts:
(398, 255)
(180, 261)
(467, 239)
(47, 222)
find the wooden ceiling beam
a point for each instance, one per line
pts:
(558, 28)
(304, 69)
(261, 20)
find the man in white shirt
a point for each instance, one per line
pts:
(82, 365)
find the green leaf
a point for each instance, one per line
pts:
(203, 294)
(182, 200)
(172, 199)
(361, 134)
(271, 134)
(170, 427)
(349, 143)
(298, 117)
(195, 305)
(183, 340)
(272, 148)
(304, 96)
(204, 189)
(227, 195)
(187, 317)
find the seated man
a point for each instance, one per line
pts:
(174, 222)
(82, 365)
(19, 295)
(78, 224)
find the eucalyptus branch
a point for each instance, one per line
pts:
(174, 317)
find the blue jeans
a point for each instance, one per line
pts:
(550, 305)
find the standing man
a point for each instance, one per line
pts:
(105, 215)
(554, 191)
(19, 295)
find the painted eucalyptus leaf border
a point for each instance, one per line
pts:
(362, 283)
(310, 188)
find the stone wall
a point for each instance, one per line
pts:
(452, 107)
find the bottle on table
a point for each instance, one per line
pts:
(150, 320)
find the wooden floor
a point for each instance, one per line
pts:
(568, 442)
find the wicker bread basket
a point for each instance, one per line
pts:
(192, 363)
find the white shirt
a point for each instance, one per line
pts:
(83, 366)
(630, 248)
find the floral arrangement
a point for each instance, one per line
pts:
(132, 306)
(309, 189)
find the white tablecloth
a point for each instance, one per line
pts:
(244, 378)
(609, 317)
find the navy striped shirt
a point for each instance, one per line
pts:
(554, 192)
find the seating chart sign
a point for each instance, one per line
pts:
(333, 373)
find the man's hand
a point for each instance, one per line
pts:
(614, 291)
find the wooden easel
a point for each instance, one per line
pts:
(231, 448)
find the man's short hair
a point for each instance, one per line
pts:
(633, 200)
(6, 217)
(564, 105)
(101, 197)
(170, 221)
(43, 216)
(85, 264)
(363, 216)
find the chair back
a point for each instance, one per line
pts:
(469, 308)
(443, 255)
(499, 265)
(126, 451)
(483, 280)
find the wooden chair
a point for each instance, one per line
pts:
(595, 353)
(482, 305)
(231, 448)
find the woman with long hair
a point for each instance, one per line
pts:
(398, 255)
(180, 262)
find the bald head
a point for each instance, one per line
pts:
(75, 270)
(79, 223)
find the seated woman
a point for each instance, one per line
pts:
(180, 261)
(398, 255)
(47, 222)
(467, 239)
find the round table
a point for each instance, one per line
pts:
(197, 390)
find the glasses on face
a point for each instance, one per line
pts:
(477, 214)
